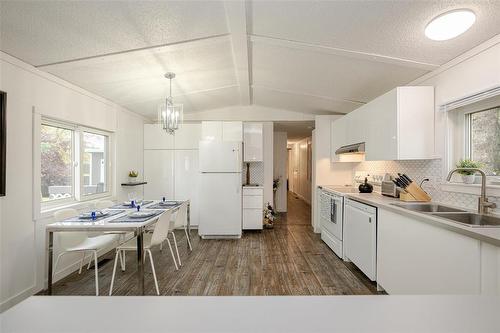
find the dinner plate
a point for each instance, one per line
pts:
(88, 215)
(141, 214)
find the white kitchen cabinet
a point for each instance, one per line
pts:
(222, 130)
(159, 174)
(156, 138)
(253, 206)
(211, 130)
(188, 136)
(253, 141)
(398, 125)
(232, 131)
(187, 180)
(414, 257)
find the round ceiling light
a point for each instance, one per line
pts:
(450, 24)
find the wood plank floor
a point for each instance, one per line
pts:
(287, 260)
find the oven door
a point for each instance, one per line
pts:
(332, 214)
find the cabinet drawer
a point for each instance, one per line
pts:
(253, 191)
(252, 219)
(253, 201)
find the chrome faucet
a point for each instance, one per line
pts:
(483, 204)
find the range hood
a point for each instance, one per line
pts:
(356, 148)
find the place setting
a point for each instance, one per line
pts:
(93, 216)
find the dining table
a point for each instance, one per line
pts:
(118, 223)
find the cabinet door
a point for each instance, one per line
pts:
(414, 257)
(232, 131)
(188, 136)
(156, 138)
(211, 130)
(252, 219)
(253, 142)
(381, 127)
(187, 180)
(159, 173)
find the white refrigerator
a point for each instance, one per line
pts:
(220, 197)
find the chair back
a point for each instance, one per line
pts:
(64, 214)
(180, 217)
(161, 229)
(101, 204)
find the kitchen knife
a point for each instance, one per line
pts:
(403, 182)
(407, 178)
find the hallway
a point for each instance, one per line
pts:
(299, 211)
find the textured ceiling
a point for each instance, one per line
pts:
(322, 57)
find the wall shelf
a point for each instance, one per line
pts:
(134, 183)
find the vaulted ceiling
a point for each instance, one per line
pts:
(315, 57)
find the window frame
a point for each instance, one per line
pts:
(77, 160)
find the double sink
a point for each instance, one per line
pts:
(453, 214)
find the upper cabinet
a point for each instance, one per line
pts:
(186, 137)
(222, 130)
(156, 138)
(398, 125)
(253, 142)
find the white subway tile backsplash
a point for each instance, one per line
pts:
(421, 169)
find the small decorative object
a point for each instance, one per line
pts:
(132, 203)
(276, 184)
(163, 199)
(269, 216)
(138, 207)
(132, 176)
(365, 187)
(93, 215)
(468, 177)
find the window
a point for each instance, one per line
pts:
(74, 163)
(56, 153)
(482, 139)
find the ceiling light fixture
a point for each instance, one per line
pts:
(170, 115)
(450, 24)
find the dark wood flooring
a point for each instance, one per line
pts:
(287, 260)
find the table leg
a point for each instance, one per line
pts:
(189, 225)
(50, 254)
(140, 259)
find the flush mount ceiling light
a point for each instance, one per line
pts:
(170, 115)
(450, 24)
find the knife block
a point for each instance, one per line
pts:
(414, 192)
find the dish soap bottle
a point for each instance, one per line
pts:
(365, 187)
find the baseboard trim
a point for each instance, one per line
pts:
(16, 299)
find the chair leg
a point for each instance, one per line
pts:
(176, 249)
(118, 254)
(124, 260)
(55, 265)
(161, 246)
(81, 263)
(96, 274)
(90, 261)
(154, 272)
(187, 236)
(172, 253)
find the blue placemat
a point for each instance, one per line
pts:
(127, 218)
(124, 206)
(166, 205)
(108, 215)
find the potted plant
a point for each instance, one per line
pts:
(132, 176)
(269, 216)
(468, 177)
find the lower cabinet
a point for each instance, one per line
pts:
(415, 257)
(253, 205)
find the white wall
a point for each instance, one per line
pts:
(268, 161)
(280, 169)
(22, 240)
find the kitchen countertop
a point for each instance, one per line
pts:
(486, 234)
(376, 313)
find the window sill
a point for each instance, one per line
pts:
(78, 205)
(475, 189)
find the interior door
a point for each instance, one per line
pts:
(159, 174)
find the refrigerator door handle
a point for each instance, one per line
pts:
(237, 151)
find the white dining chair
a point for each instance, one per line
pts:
(178, 220)
(150, 240)
(101, 204)
(89, 244)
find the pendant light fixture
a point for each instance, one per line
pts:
(170, 115)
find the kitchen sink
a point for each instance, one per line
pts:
(471, 219)
(427, 207)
